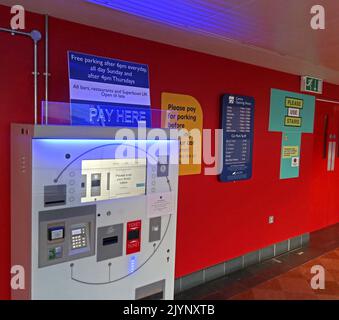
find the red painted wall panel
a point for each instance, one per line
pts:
(216, 221)
(325, 184)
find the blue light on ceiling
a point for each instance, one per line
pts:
(195, 15)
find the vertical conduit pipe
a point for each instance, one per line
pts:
(35, 82)
(46, 69)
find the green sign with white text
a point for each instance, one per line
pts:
(311, 84)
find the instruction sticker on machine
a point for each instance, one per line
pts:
(159, 204)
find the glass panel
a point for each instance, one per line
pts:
(63, 113)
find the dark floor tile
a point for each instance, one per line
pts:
(186, 295)
(239, 275)
(245, 278)
(274, 270)
(233, 289)
(294, 259)
(199, 291)
(255, 280)
(261, 268)
(221, 283)
(215, 296)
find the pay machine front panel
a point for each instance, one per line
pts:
(100, 227)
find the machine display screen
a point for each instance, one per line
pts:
(76, 232)
(119, 178)
(55, 233)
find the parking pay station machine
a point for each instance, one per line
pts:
(93, 212)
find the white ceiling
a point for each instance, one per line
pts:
(272, 33)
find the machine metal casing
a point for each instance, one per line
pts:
(47, 192)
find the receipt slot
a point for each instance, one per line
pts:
(93, 217)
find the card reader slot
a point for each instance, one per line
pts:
(109, 241)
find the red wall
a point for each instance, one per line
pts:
(216, 221)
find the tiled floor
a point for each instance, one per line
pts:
(287, 277)
(296, 283)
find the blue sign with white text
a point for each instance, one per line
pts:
(238, 132)
(108, 92)
(109, 115)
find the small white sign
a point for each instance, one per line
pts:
(159, 204)
(293, 112)
(295, 162)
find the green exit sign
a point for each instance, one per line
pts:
(311, 84)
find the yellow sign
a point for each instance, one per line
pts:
(292, 122)
(185, 114)
(290, 152)
(294, 103)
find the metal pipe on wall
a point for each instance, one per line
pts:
(35, 35)
(329, 101)
(46, 69)
(35, 73)
(14, 32)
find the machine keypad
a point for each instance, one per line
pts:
(79, 239)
